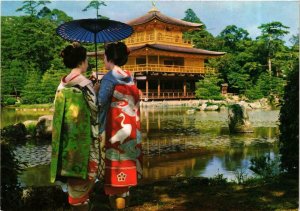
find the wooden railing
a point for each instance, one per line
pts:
(167, 95)
(168, 68)
(163, 39)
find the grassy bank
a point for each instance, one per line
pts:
(190, 194)
(210, 194)
(30, 106)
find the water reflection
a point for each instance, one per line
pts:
(199, 144)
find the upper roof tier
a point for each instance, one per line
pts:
(168, 48)
(177, 49)
(154, 13)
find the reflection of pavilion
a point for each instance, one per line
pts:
(169, 153)
(164, 64)
(183, 163)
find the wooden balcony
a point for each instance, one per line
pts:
(157, 38)
(153, 95)
(168, 68)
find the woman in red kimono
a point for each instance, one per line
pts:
(118, 99)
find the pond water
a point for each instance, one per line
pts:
(175, 144)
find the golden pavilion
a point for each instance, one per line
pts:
(164, 65)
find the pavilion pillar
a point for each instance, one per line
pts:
(158, 62)
(184, 88)
(147, 60)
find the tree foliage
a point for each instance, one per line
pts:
(30, 7)
(95, 4)
(32, 89)
(246, 61)
(289, 124)
(209, 88)
(191, 16)
(266, 86)
(271, 35)
(55, 15)
(232, 36)
(50, 82)
(13, 73)
(200, 38)
(30, 52)
(29, 45)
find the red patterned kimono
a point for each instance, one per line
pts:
(123, 155)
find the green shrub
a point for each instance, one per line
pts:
(211, 104)
(254, 93)
(10, 101)
(208, 88)
(218, 179)
(240, 176)
(265, 167)
(265, 86)
(31, 130)
(14, 132)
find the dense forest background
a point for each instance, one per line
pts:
(252, 68)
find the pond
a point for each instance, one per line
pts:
(176, 144)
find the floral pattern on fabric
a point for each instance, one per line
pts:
(75, 148)
(123, 155)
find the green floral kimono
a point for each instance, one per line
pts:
(74, 137)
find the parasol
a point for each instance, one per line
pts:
(94, 31)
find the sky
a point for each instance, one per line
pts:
(216, 15)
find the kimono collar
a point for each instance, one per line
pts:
(122, 76)
(75, 80)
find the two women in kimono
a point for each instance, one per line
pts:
(82, 114)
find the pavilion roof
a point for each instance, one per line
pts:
(154, 13)
(169, 48)
(177, 49)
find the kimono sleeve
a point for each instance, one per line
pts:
(59, 105)
(104, 98)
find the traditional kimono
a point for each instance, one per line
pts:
(75, 147)
(118, 99)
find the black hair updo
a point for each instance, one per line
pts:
(73, 55)
(117, 53)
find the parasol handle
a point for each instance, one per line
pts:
(96, 56)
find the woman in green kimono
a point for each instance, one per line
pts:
(75, 144)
